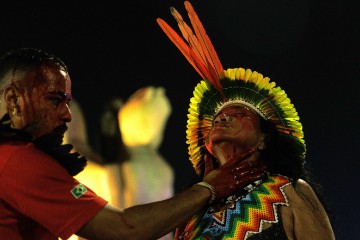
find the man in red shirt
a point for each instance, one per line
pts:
(39, 197)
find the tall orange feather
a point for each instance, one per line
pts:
(199, 51)
(184, 49)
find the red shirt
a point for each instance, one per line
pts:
(38, 198)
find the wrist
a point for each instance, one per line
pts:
(210, 188)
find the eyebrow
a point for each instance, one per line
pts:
(63, 95)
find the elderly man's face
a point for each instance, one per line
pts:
(235, 130)
(45, 99)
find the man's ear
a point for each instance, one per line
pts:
(11, 96)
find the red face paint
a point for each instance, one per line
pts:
(235, 130)
(46, 94)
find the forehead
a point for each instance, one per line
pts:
(56, 79)
(240, 103)
(236, 108)
(45, 78)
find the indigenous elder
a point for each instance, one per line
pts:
(40, 198)
(239, 115)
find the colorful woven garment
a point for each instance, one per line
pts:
(243, 217)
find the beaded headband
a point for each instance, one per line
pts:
(221, 88)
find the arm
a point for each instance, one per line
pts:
(306, 218)
(148, 221)
(153, 220)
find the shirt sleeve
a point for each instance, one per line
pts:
(40, 188)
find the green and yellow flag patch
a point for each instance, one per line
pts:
(78, 191)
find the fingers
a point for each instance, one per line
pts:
(247, 186)
(232, 164)
(242, 177)
(239, 166)
(246, 169)
(247, 154)
(249, 179)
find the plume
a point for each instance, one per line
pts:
(199, 50)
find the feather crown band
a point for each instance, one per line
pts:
(221, 88)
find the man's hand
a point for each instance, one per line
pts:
(233, 175)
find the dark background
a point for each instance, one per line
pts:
(310, 48)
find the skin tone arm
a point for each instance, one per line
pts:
(305, 218)
(149, 221)
(153, 220)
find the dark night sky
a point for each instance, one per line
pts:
(309, 48)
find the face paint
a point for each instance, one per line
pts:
(46, 96)
(235, 130)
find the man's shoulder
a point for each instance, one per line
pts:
(18, 148)
(19, 152)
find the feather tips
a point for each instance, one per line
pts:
(199, 50)
(212, 58)
(182, 46)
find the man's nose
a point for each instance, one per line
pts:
(66, 114)
(221, 118)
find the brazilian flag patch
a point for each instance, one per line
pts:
(78, 191)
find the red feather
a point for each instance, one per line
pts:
(199, 51)
(213, 61)
(184, 49)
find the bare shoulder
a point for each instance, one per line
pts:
(303, 185)
(307, 194)
(304, 188)
(301, 193)
(308, 213)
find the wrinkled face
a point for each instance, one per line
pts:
(235, 130)
(45, 101)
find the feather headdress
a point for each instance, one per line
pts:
(220, 88)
